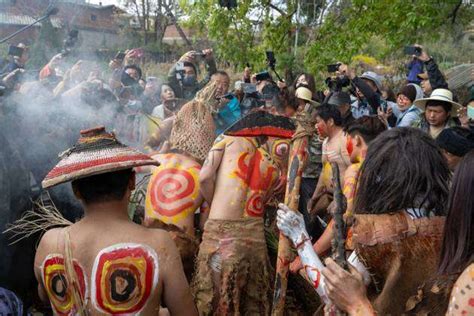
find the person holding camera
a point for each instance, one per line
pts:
(368, 92)
(18, 58)
(182, 77)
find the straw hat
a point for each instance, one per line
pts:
(304, 93)
(440, 95)
(95, 152)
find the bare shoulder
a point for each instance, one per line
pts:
(51, 241)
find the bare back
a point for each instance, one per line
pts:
(173, 193)
(245, 176)
(120, 268)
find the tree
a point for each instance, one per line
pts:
(330, 30)
(154, 17)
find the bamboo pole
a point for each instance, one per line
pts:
(297, 162)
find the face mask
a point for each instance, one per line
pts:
(189, 81)
(127, 80)
(470, 112)
(134, 105)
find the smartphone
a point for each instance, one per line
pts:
(15, 51)
(412, 50)
(333, 67)
(120, 56)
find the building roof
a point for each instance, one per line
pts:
(16, 19)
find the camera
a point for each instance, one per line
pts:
(264, 75)
(334, 67)
(412, 50)
(336, 84)
(180, 70)
(15, 51)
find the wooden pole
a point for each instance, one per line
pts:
(297, 162)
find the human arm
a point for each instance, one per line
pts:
(435, 76)
(211, 67)
(207, 176)
(347, 289)
(176, 295)
(291, 224)
(373, 98)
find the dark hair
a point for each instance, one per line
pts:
(391, 96)
(280, 102)
(368, 127)
(222, 73)
(457, 250)
(328, 111)
(309, 78)
(404, 168)
(446, 105)
(138, 69)
(103, 187)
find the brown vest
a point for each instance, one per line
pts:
(400, 253)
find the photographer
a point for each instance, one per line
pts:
(182, 77)
(435, 78)
(368, 92)
(18, 58)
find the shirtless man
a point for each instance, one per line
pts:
(329, 126)
(173, 193)
(237, 179)
(105, 263)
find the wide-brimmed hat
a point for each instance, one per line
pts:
(372, 76)
(262, 123)
(339, 98)
(95, 152)
(440, 95)
(304, 93)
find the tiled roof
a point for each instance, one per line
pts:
(14, 19)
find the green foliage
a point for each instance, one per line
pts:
(376, 28)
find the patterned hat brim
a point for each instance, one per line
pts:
(74, 166)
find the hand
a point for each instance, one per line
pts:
(115, 64)
(296, 265)
(463, 118)
(346, 289)
(281, 84)
(11, 79)
(424, 57)
(55, 60)
(344, 70)
(253, 78)
(189, 57)
(208, 54)
(383, 115)
(291, 224)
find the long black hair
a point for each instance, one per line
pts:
(457, 250)
(403, 169)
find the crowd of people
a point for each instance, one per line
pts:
(213, 166)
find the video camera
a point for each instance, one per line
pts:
(336, 84)
(15, 51)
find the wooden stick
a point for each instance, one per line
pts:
(297, 163)
(339, 240)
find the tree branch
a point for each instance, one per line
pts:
(454, 14)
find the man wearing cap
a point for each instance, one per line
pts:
(184, 81)
(439, 111)
(455, 142)
(342, 100)
(408, 111)
(105, 263)
(433, 78)
(368, 91)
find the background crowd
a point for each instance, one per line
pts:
(41, 114)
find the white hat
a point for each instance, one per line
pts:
(304, 93)
(372, 76)
(440, 95)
